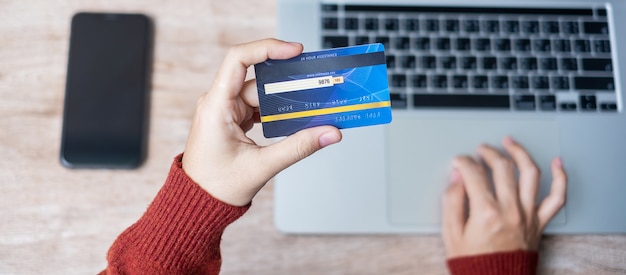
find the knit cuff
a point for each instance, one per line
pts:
(510, 262)
(182, 228)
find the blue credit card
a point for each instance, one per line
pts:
(343, 87)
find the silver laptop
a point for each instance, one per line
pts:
(462, 73)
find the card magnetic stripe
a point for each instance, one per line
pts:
(280, 70)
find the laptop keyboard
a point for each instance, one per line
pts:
(517, 59)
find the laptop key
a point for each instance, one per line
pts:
(432, 25)
(334, 41)
(407, 61)
(330, 23)
(522, 45)
(473, 101)
(398, 80)
(503, 45)
(588, 103)
(412, 24)
(596, 27)
(452, 25)
(562, 45)
(422, 43)
(471, 25)
(550, 27)
(402, 43)
(594, 83)
(528, 63)
(448, 62)
(541, 45)
(492, 26)
(500, 82)
(519, 83)
(439, 81)
(398, 100)
(602, 46)
(582, 46)
(548, 64)
(511, 26)
(468, 62)
(391, 61)
(567, 106)
(351, 23)
(489, 63)
(459, 82)
(524, 102)
(569, 64)
(482, 44)
(508, 63)
(371, 24)
(329, 7)
(419, 81)
(570, 27)
(429, 62)
(597, 64)
(611, 107)
(392, 24)
(530, 26)
(463, 44)
(361, 39)
(540, 82)
(442, 44)
(480, 82)
(383, 40)
(560, 83)
(547, 102)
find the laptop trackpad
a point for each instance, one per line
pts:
(420, 152)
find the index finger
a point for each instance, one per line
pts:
(475, 181)
(232, 73)
(503, 173)
(529, 174)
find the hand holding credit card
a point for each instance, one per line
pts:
(342, 87)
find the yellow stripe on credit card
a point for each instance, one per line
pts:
(326, 111)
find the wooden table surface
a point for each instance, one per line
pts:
(59, 221)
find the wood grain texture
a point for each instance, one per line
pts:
(59, 221)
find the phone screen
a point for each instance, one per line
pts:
(105, 114)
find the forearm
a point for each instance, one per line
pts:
(180, 233)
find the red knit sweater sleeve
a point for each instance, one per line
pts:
(512, 262)
(181, 230)
(179, 233)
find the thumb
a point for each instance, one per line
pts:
(298, 146)
(453, 221)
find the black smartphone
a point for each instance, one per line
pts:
(106, 107)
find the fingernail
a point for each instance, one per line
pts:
(328, 139)
(456, 176)
(295, 44)
(508, 140)
(558, 162)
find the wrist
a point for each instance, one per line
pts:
(506, 262)
(225, 188)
